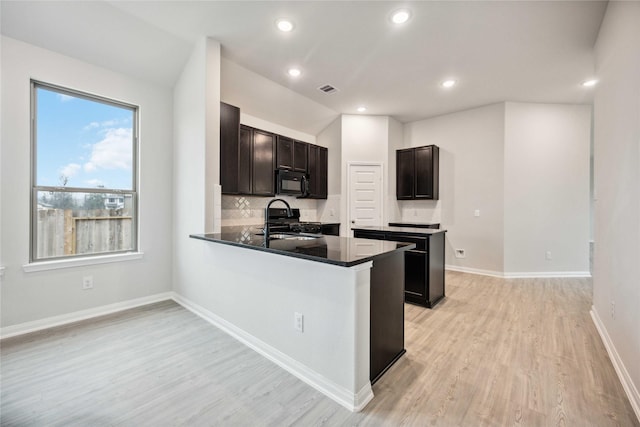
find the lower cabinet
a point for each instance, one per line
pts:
(424, 265)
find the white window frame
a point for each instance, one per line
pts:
(35, 188)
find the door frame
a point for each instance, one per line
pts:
(382, 183)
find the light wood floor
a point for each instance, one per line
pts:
(494, 353)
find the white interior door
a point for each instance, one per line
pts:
(365, 195)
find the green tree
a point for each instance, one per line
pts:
(93, 201)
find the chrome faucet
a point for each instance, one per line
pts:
(266, 216)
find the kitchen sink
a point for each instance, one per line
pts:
(283, 236)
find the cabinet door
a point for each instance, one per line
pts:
(245, 154)
(300, 156)
(285, 153)
(426, 172)
(264, 145)
(405, 177)
(229, 138)
(415, 270)
(322, 172)
(312, 167)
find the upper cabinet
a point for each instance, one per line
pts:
(300, 150)
(292, 155)
(249, 158)
(417, 171)
(229, 148)
(318, 171)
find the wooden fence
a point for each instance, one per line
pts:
(75, 232)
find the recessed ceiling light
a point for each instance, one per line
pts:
(362, 109)
(284, 25)
(589, 83)
(294, 72)
(448, 83)
(400, 16)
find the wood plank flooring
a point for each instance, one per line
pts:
(495, 352)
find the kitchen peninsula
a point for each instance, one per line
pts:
(328, 309)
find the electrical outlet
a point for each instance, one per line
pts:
(87, 282)
(298, 322)
(547, 255)
(332, 212)
(460, 253)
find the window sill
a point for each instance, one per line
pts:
(79, 262)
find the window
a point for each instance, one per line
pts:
(84, 186)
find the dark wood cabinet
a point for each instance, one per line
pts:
(405, 173)
(417, 173)
(300, 150)
(423, 266)
(284, 153)
(263, 178)
(249, 158)
(245, 175)
(318, 171)
(255, 153)
(229, 149)
(291, 154)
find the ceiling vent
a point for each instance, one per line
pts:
(327, 89)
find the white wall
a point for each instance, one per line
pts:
(33, 296)
(617, 180)
(471, 177)
(364, 139)
(546, 188)
(331, 137)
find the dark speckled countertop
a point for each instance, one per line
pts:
(342, 251)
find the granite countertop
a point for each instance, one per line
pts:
(404, 230)
(342, 251)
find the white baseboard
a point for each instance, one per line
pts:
(50, 322)
(473, 271)
(627, 383)
(354, 402)
(518, 275)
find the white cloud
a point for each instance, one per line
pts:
(95, 183)
(113, 152)
(65, 98)
(70, 170)
(92, 125)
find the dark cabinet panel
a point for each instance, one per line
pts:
(426, 171)
(264, 145)
(424, 266)
(229, 134)
(300, 150)
(417, 173)
(285, 153)
(387, 315)
(245, 172)
(318, 171)
(405, 174)
(331, 229)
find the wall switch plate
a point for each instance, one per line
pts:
(547, 255)
(87, 282)
(460, 253)
(298, 322)
(476, 212)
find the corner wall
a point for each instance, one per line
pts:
(471, 177)
(31, 297)
(616, 289)
(546, 189)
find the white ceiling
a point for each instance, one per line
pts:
(537, 51)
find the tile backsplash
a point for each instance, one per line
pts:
(249, 210)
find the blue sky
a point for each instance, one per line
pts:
(87, 141)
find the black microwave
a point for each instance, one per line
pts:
(291, 183)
